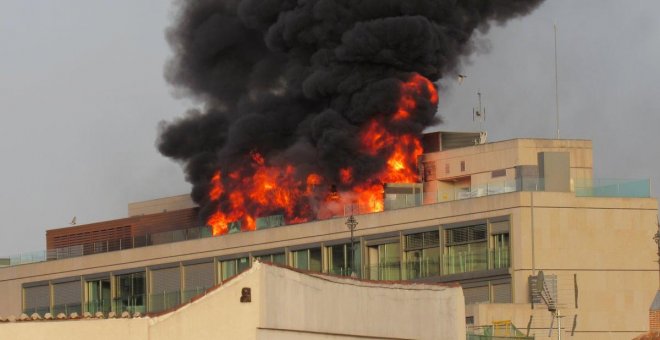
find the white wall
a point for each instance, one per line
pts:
(352, 308)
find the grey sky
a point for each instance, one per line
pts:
(82, 92)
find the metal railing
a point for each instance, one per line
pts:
(131, 303)
(462, 262)
(421, 268)
(108, 246)
(341, 271)
(41, 310)
(501, 330)
(457, 263)
(469, 261)
(94, 306)
(389, 271)
(167, 300)
(613, 188)
(67, 308)
(581, 188)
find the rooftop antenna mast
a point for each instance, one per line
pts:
(556, 84)
(479, 116)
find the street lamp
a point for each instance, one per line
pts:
(351, 223)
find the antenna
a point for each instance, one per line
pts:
(556, 83)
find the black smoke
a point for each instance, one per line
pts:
(296, 80)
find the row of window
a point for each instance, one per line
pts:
(414, 256)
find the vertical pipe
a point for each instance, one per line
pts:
(351, 257)
(558, 324)
(533, 253)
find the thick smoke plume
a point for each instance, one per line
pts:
(294, 84)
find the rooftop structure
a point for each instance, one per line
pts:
(490, 216)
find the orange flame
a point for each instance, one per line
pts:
(274, 189)
(346, 175)
(414, 87)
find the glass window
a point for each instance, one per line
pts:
(301, 259)
(422, 263)
(315, 262)
(339, 259)
(385, 261)
(307, 259)
(129, 292)
(233, 267)
(228, 269)
(243, 264)
(500, 254)
(390, 261)
(466, 249)
(97, 295)
(277, 258)
(422, 254)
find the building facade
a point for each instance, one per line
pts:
(488, 216)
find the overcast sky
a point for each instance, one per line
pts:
(82, 92)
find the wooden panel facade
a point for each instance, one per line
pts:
(121, 230)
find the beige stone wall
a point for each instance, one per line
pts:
(484, 158)
(605, 244)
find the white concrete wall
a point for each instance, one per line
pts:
(111, 329)
(297, 303)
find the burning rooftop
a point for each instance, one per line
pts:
(311, 105)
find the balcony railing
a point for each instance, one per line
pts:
(470, 261)
(424, 267)
(461, 262)
(581, 188)
(166, 300)
(94, 306)
(131, 303)
(465, 262)
(613, 188)
(384, 271)
(108, 246)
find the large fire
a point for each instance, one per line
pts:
(271, 189)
